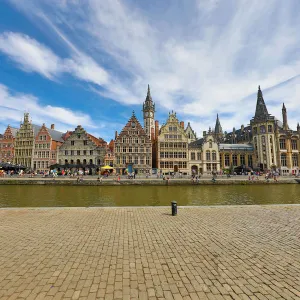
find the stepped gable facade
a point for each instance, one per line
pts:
(172, 147)
(7, 148)
(82, 149)
(45, 147)
(133, 149)
(25, 150)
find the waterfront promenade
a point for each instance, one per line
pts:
(142, 180)
(222, 252)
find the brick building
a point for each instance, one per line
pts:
(7, 149)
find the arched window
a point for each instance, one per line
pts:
(207, 155)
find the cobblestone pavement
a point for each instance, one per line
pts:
(249, 252)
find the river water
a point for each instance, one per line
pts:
(75, 196)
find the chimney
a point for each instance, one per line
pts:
(52, 126)
(116, 135)
(156, 129)
(182, 124)
(152, 134)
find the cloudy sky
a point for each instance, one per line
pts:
(89, 62)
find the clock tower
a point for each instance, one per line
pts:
(148, 113)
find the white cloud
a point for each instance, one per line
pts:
(13, 106)
(33, 56)
(207, 61)
(30, 55)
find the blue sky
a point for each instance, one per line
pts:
(89, 62)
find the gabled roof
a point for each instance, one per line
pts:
(137, 127)
(197, 143)
(55, 135)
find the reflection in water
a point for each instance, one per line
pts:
(40, 196)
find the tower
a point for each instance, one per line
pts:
(218, 130)
(263, 131)
(284, 118)
(148, 114)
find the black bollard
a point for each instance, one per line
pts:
(174, 208)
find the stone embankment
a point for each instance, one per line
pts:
(148, 182)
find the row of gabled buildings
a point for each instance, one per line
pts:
(266, 143)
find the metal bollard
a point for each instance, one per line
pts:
(174, 208)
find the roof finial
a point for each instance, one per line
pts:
(259, 87)
(133, 113)
(283, 106)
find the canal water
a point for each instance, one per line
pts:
(75, 196)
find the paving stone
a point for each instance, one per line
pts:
(237, 252)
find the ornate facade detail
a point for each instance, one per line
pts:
(7, 148)
(82, 149)
(172, 147)
(133, 149)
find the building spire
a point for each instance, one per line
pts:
(218, 127)
(149, 98)
(284, 118)
(261, 112)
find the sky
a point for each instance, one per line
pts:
(89, 62)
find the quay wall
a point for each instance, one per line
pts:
(147, 182)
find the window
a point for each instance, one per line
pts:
(208, 167)
(136, 160)
(91, 152)
(214, 167)
(136, 149)
(162, 165)
(130, 149)
(295, 160)
(294, 145)
(214, 155)
(41, 137)
(207, 155)
(85, 142)
(84, 152)
(269, 128)
(227, 161)
(124, 160)
(53, 155)
(118, 160)
(147, 160)
(142, 149)
(66, 152)
(242, 159)
(198, 155)
(255, 130)
(118, 149)
(283, 159)
(124, 149)
(72, 143)
(72, 152)
(262, 129)
(282, 143)
(78, 152)
(162, 145)
(234, 159)
(130, 159)
(142, 160)
(193, 156)
(162, 154)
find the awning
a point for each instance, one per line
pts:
(107, 168)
